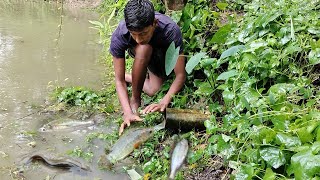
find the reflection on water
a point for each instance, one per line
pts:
(30, 58)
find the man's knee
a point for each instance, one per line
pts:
(151, 91)
(143, 51)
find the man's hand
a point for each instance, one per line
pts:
(155, 107)
(126, 121)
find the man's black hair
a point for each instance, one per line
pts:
(138, 14)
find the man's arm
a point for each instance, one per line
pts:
(178, 82)
(121, 87)
(175, 87)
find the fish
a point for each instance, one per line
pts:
(178, 157)
(126, 144)
(59, 125)
(54, 160)
(130, 141)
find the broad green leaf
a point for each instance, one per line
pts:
(227, 75)
(288, 140)
(245, 102)
(188, 11)
(285, 39)
(254, 45)
(267, 135)
(304, 135)
(224, 147)
(273, 156)
(291, 48)
(186, 25)
(226, 138)
(306, 164)
(265, 19)
(315, 44)
(251, 155)
(149, 167)
(228, 95)
(232, 51)
(176, 16)
(209, 63)
(222, 6)
(195, 156)
(282, 88)
(172, 55)
(246, 172)
(269, 175)
(221, 35)
(193, 62)
(211, 127)
(204, 89)
(280, 122)
(314, 56)
(314, 31)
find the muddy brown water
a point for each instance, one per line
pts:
(32, 62)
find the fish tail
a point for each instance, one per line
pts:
(172, 175)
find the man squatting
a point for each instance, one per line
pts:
(146, 35)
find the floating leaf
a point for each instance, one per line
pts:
(273, 156)
(194, 60)
(227, 75)
(172, 55)
(232, 51)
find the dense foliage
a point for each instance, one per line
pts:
(269, 123)
(259, 77)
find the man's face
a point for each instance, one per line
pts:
(145, 35)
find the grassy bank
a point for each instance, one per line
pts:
(255, 66)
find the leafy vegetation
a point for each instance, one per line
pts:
(255, 66)
(103, 101)
(265, 75)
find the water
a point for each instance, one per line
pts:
(33, 59)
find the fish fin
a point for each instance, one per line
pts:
(160, 126)
(172, 175)
(136, 145)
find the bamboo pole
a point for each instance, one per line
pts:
(186, 119)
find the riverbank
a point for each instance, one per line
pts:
(88, 4)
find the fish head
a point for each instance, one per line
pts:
(104, 163)
(144, 135)
(148, 132)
